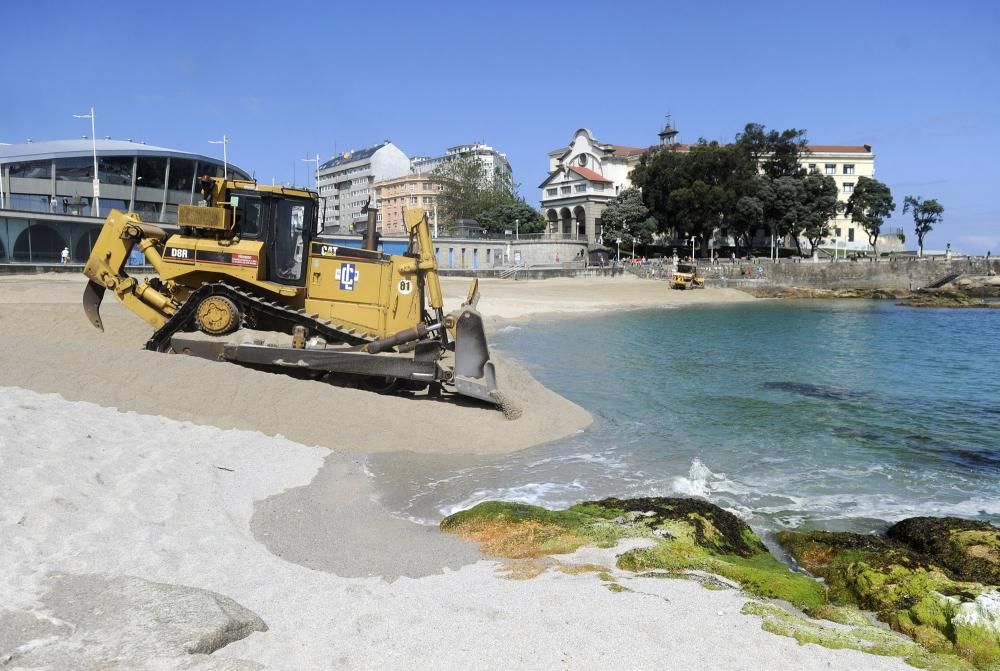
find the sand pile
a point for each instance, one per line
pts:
(49, 346)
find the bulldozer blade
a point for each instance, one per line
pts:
(474, 372)
(92, 297)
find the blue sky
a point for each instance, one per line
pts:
(919, 81)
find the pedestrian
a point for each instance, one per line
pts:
(65, 204)
(65, 255)
(52, 205)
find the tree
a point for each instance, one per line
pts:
(469, 190)
(516, 215)
(926, 213)
(774, 153)
(869, 206)
(628, 218)
(820, 206)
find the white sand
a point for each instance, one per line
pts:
(92, 490)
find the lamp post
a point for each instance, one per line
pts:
(225, 154)
(517, 234)
(93, 143)
(316, 161)
(618, 244)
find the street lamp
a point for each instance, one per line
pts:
(316, 161)
(517, 234)
(618, 243)
(93, 142)
(225, 154)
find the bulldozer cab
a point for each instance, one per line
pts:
(284, 223)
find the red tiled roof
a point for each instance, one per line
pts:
(622, 150)
(589, 174)
(840, 148)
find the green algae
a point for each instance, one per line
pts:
(688, 534)
(859, 634)
(906, 587)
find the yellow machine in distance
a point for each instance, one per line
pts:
(686, 277)
(247, 280)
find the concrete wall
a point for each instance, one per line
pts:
(897, 274)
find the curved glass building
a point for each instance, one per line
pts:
(47, 192)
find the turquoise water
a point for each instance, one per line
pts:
(830, 414)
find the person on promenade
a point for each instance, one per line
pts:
(65, 204)
(65, 255)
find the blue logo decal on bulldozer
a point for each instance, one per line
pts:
(347, 275)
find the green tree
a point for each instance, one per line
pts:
(869, 206)
(926, 213)
(469, 190)
(516, 215)
(819, 207)
(628, 218)
(773, 153)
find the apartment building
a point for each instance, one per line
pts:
(346, 182)
(845, 163)
(414, 190)
(490, 159)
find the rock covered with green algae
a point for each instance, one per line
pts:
(933, 579)
(854, 632)
(688, 534)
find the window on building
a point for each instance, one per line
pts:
(413, 200)
(551, 192)
(850, 235)
(839, 231)
(848, 168)
(116, 170)
(152, 170)
(812, 168)
(598, 187)
(581, 188)
(79, 169)
(830, 169)
(566, 189)
(413, 186)
(848, 187)
(32, 170)
(181, 174)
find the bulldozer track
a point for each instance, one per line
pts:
(185, 317)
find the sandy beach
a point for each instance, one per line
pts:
(140, 484)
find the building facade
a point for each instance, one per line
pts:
(414, 190)
(492, 161)
(346, 182)
(845, 163)
(586, 175)
(583, 178)
(47, 192)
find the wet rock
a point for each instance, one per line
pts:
(942, 299)
(92, 622)
(687, 535)
(931, 579)
(968, 549)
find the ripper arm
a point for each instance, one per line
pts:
(106, 270)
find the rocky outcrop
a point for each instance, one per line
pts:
(803, 292)
(941, 298)
(95, 622)
(934, 579)
(685, 535)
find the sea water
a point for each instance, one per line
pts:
(823, 414)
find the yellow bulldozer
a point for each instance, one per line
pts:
(686, 277)
(247, 279)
